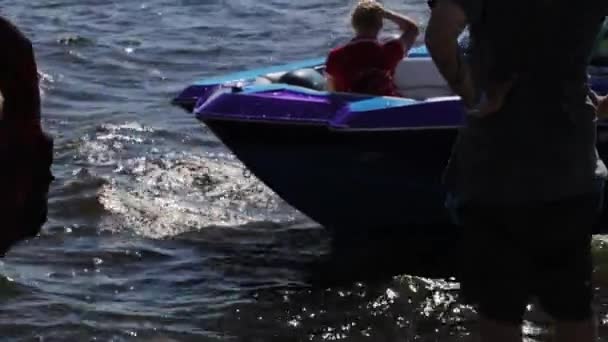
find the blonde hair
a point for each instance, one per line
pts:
(367, 15)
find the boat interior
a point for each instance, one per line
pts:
(415, 78)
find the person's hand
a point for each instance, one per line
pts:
(602, 107)
(494, 99)
(464, 86)
(386, 13)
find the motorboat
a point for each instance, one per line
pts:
(354, 163)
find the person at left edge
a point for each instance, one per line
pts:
(26, 151)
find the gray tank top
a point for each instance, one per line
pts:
(541, 145)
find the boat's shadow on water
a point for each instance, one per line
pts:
(379, 254)
(309, 256)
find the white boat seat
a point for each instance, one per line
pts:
(419, 79)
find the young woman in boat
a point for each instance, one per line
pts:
(366, 65)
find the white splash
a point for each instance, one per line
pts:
(173, 196)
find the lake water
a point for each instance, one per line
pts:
(156, 232)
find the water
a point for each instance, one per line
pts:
(156, 232)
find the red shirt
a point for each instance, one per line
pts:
(365, 66)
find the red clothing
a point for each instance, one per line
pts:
(365, 66)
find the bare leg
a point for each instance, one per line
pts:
(584, 331)
(493, 331)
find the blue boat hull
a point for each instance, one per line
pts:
(354, 183)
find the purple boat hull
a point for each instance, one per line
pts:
(354, 164)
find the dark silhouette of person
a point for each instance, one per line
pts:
(524, 178)
(26, 152)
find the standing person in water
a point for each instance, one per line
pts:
(365, 65)
(525, 179)
(25, 150)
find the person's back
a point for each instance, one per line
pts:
(524, 178)
(365, 65)
(25, 150)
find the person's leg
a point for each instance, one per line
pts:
(583, 331)
(564, 266)
(494, 275)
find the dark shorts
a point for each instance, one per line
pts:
(512, 254)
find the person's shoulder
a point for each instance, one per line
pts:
(472, 8)
(394, 46)
(334, 56)
(334, 59)
(336, 50)
(392, 42)
(8, 28)
(363, 47)
(11, 34)
(350, 48)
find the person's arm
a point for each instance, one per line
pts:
(332, 67)
(448, 20)
(1, 106)
(602, 107)
(408, 27)
(331, 84)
